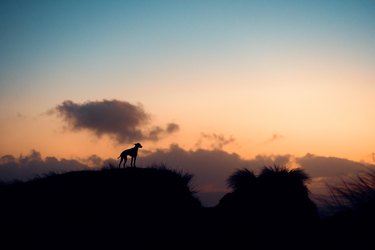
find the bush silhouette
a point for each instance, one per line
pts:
(277, 195)
(355, 193)
(273, 205)
(354, 204)
(242, 180)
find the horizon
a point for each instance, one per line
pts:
(227, 82)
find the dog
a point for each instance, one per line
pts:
(132, 152)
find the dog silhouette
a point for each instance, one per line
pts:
(132, 152)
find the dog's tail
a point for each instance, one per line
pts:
(119, 157)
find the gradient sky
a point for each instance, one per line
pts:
(252, 77)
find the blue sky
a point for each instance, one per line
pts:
(57, 33)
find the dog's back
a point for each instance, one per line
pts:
(125, 153)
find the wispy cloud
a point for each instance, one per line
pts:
(214, 141)
(274, 137)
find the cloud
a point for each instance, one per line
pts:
(172, 127)
(120, 120)
(319, 166)
(92, 161)
(32, 165)
(211, 167)
(328, 171)
(274, 137)
(157, 132)
(215, 141)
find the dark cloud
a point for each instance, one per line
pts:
(215, 141)
(211, 168)
(319, 166)
(120, 120)
(328, 171)
(92, 161)
(157, 132)
(172, 127)
(32, 165)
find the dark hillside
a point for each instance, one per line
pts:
(121, 203)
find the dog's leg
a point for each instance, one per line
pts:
(135, 158)
(125, 159)
(119, 165)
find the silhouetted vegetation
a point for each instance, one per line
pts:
(156, 207)
(277, 194)
(353, 222)
(354, 193)
(276, 202)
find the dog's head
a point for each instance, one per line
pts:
(138, 145)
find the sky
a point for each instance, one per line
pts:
(246, 79)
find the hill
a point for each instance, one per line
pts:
(124, 205)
